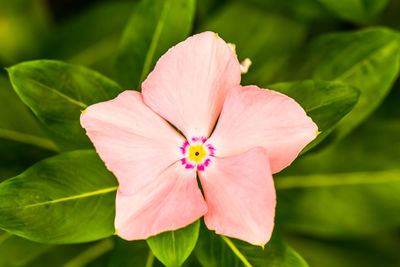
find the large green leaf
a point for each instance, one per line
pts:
(390, 15)
(130, 253)
(358, 203)
(302, 10)
(88, 39)
(92, 255)
(258, 36)
(57, 93)
(16, 122)
(155, 26)
(68, 198)
(22, 142)
(173, 247)
(16, 251)
(325, 102)
(357, 180)
(367, 59)
(60, 255)
(355, 10)
(16, 157)
(215, 250)
(372, 147)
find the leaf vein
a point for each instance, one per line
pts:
(62, 95)
(236, 251)
(87, 194)
(349, 71)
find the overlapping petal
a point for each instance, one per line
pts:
(240, 196)
(171, 201)
(134, 142)
(259, 132)
(189, 83)
(259, 117)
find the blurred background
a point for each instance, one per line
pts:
(345, 211)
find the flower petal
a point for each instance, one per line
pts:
(240, 196)
(259, 117)
(189, 83)
(134, 142)
(172, 201)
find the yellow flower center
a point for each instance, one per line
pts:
(197, 153)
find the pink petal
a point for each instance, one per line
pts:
(240, 196)
(259, 117)
(134, 142)
(189, 83)
(172, 201)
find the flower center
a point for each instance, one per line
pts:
(197, 153)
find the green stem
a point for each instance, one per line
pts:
(150, 259)
(28, 139)
(91, 254)
(236, 251)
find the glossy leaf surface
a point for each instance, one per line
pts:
(57, 93)
(366, 59)
(68, 198)
(215, 250)
(173, 247)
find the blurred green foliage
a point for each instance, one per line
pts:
(338, 204)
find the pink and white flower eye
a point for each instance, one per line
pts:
(197, 153)
(259, 132)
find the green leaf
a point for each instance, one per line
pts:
(371, 147)
(16, 251)
(366, 59)
(130, 253)
(172, 248)
(215, 250)
(155, 26)
(302, 10)
(357, 180)
(258, 36)
(57, 93)
(359, 203)
(381, 250)
(325, 102)
(22, 141)
(91, 255)
(16, 122)
(16, 157)
(68, 198)
(361, 11)
(59, 255)
(90, 40)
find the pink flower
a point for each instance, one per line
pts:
(259, 132)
